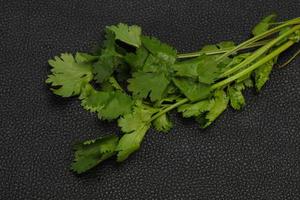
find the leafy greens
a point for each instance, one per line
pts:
(136, 80)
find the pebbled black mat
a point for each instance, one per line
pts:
(252, 154)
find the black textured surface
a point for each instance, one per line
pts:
(252, 154)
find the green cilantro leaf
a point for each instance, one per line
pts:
(237, 100)
(137, 60)
(131, 142)
(110, 85)
(135, 125)
(85, 57)
(122, 72)
(129, 34)
(187, 68)
(262, 74)
(153, 84)
(195, 109)
(141, 114)
(69, 75)
(108, 104)
(108, 60)
(161, 56)
(153, 56)
(194, 91)
(155, 64)
(264, 24)
(248, 83)
(209, 48)
(225, 45)
(160, 50)
(162, 123)
(220, 104)
(207, 68)
(104, 68)
(90, 153)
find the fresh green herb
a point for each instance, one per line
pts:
(137, 80)
(70, 74)
(90, 153)
(264, 25)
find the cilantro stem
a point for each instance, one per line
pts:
(290, 60)
(261, 36)
(175, 105)
(247, 44)
(260, 52)
(264, 60)
(199, 53)
(277, 23)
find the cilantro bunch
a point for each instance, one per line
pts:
(136, 80)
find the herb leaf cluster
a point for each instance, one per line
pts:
(137, 80)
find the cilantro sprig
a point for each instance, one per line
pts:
(137, 80)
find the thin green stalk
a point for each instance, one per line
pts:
(175, 105)
(264, 60)
(198, 53)
(260, 52)
(290, 60)
(248, 42)
(261, 36)
(276, 23)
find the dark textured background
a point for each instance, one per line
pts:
(252, 154)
